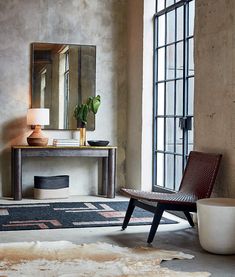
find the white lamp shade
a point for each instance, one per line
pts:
(38, 117)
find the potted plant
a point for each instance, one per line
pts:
(81, 113)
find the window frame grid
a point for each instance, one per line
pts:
(184, 78)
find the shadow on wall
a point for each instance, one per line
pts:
(12, 133)
(222, 188)
(119, 42)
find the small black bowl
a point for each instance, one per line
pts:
(98, 142)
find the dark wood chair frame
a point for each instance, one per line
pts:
(157, 211)
(187, 190)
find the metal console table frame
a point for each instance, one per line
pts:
(107, 153)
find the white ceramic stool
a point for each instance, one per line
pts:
(216, 224)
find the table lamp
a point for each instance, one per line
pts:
(37, 117)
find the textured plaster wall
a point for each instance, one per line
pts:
(140, 93)
(215, 86)
(96, 22)
(135, 81)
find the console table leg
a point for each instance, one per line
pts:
(16, 174)
(111, 173)
(104, 175)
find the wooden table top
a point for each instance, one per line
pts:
(62, 147)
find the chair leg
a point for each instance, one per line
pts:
(189, 218)
(129, 212)
(156, 220)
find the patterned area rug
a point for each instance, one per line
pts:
(70, 215)
(62, 258)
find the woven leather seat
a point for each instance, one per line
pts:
(174, 198)
(197, 183)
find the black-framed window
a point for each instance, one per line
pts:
(173, 91)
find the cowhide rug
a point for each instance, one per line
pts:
(65, 259)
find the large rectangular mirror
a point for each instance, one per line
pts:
(63, 75)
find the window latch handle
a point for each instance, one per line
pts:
(185, 123)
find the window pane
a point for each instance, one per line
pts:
(161, 64)
(179, 60)
(160, 169)
(169, 165)
(170, 134)
(160, 99)
(170, 69)
(191, 17)
(170, 93)
(171, 26)
(174, 80)
(169, 2)
(190, 57)
(179, 138)
(161, 30)
(190, 138)
(178, 171)
(180, 23)
(160, 134)
(190, 95)
(160, 5)
(179, 97)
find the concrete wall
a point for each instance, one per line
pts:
(140, 94)
(135, 81)
(214, 89)
(215, 86)
(104, 24)
(96, 22)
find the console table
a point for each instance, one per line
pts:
(107, 153)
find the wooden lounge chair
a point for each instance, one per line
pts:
(197, 183)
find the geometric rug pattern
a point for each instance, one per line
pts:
(70, 215)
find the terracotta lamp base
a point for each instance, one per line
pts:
(37, 137)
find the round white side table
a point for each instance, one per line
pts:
(216, 224)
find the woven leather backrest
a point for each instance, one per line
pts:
(200, 174)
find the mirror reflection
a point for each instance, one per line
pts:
(63, 75)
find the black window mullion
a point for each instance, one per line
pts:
(171, 8)
(189, 37)
(155, 133)
(185, 81)
(175, 91)
(169, 80)
(155, 72)
(165, 76)
(170, 43)
(168, 152)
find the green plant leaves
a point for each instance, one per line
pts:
(84, 113)
(95, 103)
(81, 113)
(89, 103)
(92, 105)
